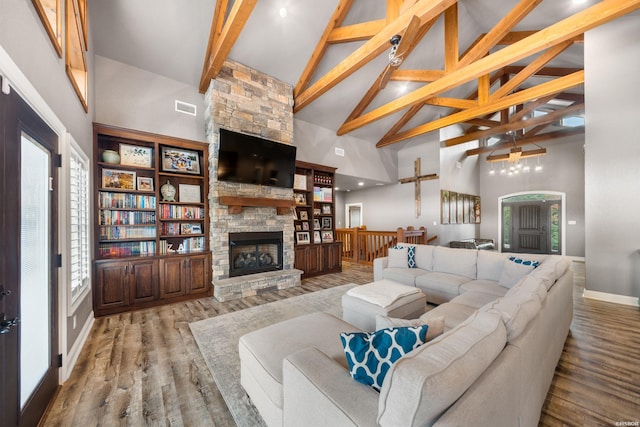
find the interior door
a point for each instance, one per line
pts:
(28, 263)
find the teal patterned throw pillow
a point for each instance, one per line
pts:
(411, 253)
(371, 354)
(534, 264)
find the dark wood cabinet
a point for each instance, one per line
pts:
(120, 284)
(332, 257)
(151, 219)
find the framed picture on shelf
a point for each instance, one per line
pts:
(145, 183)
(316, 224)
(304, 216)
(299, 182)
(132, 155)
(295, 215)
(122, 180)
(327, 236)
(303, 238)
(316, 212)
(189, 193)
(305, 225)
(190, 228)
(327, 223)
(326, 209)
(301, 198)
(298, 227)
(180, 161)
(316, 237)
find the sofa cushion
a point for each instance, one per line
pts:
(436, 324)
(411, 254)
(522, 261)
(398, 257)
(404, 275)
(371, 354)
(475, 299)
(516, 312)
(424, 257)
(490, 265)
(443, 282)
(424, 383)
(486, 286)
(551, 269)
(453, 314)
(512, 272)
(529, 285)
(461, 262)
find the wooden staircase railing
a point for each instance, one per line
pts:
(362, 246)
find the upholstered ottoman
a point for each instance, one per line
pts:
(361, 304)
(262, 353)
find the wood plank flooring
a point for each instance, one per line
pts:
(144, 368)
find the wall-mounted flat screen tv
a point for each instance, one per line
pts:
(250, 159)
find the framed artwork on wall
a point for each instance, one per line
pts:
(444, 203)
(460, 209)
(476, 207)
(453, 204)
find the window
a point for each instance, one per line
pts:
(79, 265)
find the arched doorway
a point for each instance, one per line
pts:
(531, 222)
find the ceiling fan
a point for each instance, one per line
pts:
(401, 45)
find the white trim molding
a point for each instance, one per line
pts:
(71, 357)
(614, 298)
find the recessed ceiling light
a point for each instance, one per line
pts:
(337, 188)
(361, 183)
(283, 12)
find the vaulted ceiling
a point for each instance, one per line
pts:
(483, 64)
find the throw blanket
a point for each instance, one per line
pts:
(382, 293)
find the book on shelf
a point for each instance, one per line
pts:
(108, 217)
(110, 232)
(181, 212)
(125, 201)
(182, 246)
(124, 249)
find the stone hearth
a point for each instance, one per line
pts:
(247, 101)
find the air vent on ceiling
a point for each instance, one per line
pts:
(186, 108)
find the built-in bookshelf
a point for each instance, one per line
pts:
(316, 251)
(150, 219)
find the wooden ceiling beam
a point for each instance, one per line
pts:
(356, 32)
(482, 122)
(530, 106)
(393, 9)
(528, 140)
(535, 65)
(513, 126)
(544, 71)
(588, 18)
(425, 76)
(406, 117)
(520, 97)
(425, 10)
(499, 31)
(451, 51)
(336, 20)
(217, 22)
(233, 25)
(457, 103)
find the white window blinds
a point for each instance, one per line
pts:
(79, 223)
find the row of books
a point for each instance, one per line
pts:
(181, 212)
(181, 246)
(322, 194)
(177, 228)
(126, 201)
(117, 232)
(108, 217)
(117, 250)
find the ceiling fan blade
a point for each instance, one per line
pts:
(408, 38)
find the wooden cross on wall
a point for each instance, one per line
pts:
(417, 178)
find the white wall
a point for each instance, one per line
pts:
(563, 171)
(133, 98)
(612, 173)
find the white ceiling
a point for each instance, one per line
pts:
(169, 38)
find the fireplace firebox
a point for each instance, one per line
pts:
(254, 252)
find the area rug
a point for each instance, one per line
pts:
(218, 338)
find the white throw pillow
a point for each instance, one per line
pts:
(512, 273)
(398, 258)
(436, 324)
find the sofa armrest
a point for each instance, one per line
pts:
(379, 264)
(318, 391)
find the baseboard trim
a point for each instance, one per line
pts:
(614, 298)
(74, 352)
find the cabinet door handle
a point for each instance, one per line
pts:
(126, 268)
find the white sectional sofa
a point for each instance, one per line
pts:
(493, 365)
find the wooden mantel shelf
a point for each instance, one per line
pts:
(236, 204)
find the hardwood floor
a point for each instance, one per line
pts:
(144, 367)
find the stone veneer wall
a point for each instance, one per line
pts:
(245, 100)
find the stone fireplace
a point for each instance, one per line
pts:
(248, 101)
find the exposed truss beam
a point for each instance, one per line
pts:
(530, 106)
(233, 25)
(425, 10)
(512, 126)
(356, 32)
(336, 20)
(451, 38)
(544, 71)
(543, 89)
(528, 140)
(416, 75)
(217, 23)
(564, 30)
